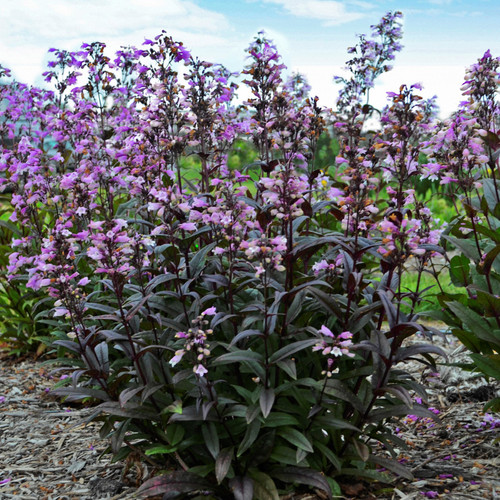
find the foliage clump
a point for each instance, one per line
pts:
(244, 325)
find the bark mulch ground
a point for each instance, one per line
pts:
(46, 453)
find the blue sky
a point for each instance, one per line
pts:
(441, 37)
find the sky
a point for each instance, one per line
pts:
(441, 37)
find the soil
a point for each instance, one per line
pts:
(47, 452)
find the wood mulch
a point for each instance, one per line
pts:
(46, 453)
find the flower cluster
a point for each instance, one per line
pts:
(371, 58)
(333, 346)
(266, 251)
(194, 341)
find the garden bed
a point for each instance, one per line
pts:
(48, 453)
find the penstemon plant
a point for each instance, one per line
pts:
(245, 328)
(464, 156)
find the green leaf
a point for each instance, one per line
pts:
(284, 455)
(11, 227)
(460, 270)
(160, 449)
(296, 438)
(263, 486)
(329, 422)
(290, 349)
(251, 435)
(488, 364)
(329, 455)
(277, 419)
(289, 367)
(474, 322)
(211, 438)
(262, 449)
(467, 247)
(175, 433)
(493, 405)
(339, 390)
(198, 261)
(489, 303)
(238, 356)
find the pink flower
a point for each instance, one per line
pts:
(178, 356)
(188, 226)
(326, 331)
(209, 312)
(200, 370)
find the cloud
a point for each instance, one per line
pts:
(444, 81)
(32, 20)
(30, 27)
(440, 2)
(329, 12)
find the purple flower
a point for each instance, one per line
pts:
(200, 370)
(188, 226)
(430, 494)
(326, 331)
(209, 312)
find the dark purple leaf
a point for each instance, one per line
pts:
(266, 401)
(136, 308)
(242, 487)
(244, 334)
(79, 393)
(127, 394)
(262, 449)
(406, 352)
(302, 475)
(223, 463)
(392, 465)
(211, 438)
(179, 482)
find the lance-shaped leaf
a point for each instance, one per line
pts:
(263, 486)
(245, 334)
(223, 463)
(296, 438)
(413, 350)
(251, 435)
(211, 438)
(489, 365)
(390, 310)
(262, 449)
(175, 482)
(474, 322)
(266, 401)
(136, 308)
(302, 475)
(198, 261)
(290, 349)
(392, 465)
(242, 487)
(238, 356)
